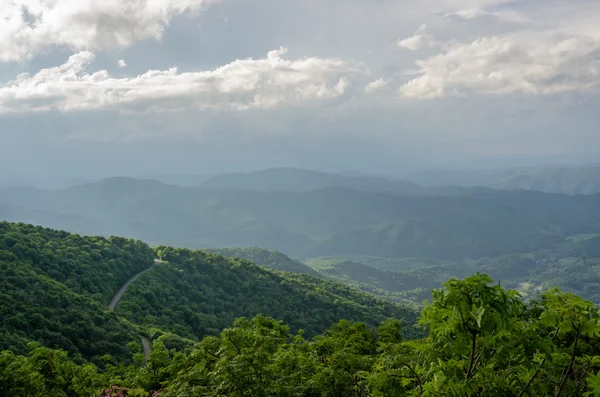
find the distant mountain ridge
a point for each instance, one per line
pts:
(566, 179)
(334, 220)
(559, 179)
(268, 258)
(299, 180)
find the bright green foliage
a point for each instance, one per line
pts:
(45, 372)
(483, 341)
(479, 339)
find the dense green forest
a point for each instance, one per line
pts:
(483, 341)
(267, 258)
(55, 288)
(198, 293)
(573, 265)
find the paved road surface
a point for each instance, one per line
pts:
(145, 342)
(147, 347)
(119, 294)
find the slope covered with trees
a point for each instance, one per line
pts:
(267, 258)
(56, 286)
(483, 341)
(197, 293)
(573, 265)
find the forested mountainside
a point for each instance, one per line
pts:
(573, 265)
(56, 288)
(198, 293)
(326, 222)
(268, 258)
(483, 341)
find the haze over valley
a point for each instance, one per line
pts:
(284, 198)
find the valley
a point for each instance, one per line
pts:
(348, 270)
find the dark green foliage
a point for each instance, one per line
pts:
(37, 308)
(484, 341)
(86, 265)
(267, 258)
(573, 265)
(54, 288)
(53, 291)
(385, 283)
(196, 294)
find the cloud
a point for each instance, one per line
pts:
(242, 84)
(122, 63)
(376, 85)
(472, 13)
(416, 41)
(545, 62)
(31, 26)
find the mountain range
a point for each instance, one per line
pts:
(356, 216)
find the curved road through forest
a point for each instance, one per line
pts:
(111, 306)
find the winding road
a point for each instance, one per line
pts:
(145, 342)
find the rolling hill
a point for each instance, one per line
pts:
(550, 179)
(56, 287)
(300, 180)
(267, 258)
(565, 179)
(323, 222)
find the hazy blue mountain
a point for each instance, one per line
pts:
(553, 179)
(321, 222)
(184, 180)
(449, 177)
(299, 180)
(567, 179)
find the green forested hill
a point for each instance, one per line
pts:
(86, 265)
(197, 293)
(572, 264)
(483, 340)
(268, 258)
(386, 283)
(55, 288)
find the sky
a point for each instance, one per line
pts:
(94, 88)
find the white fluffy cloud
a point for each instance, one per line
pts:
(529, 62)
(419, 39)
(377, 85)
(472, 13)
(31, 26)
(122, 63)
(242, 84)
